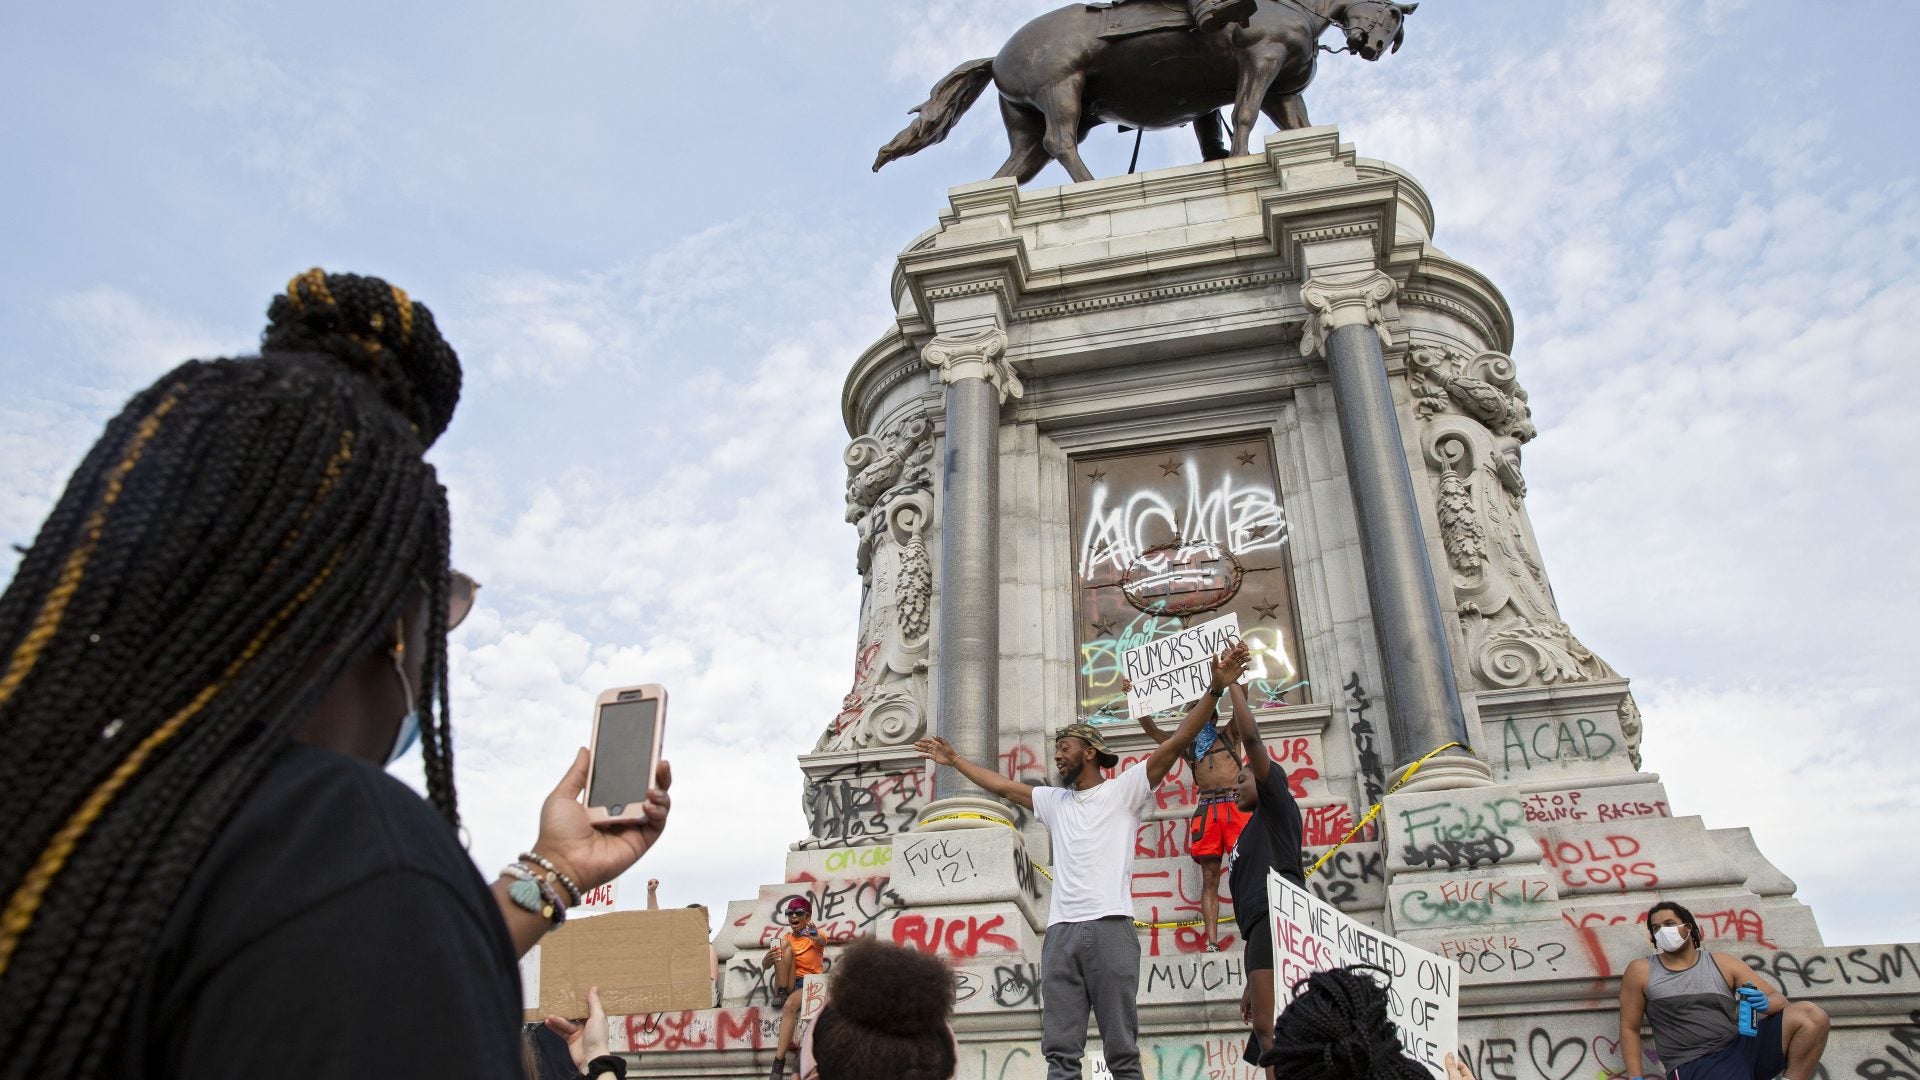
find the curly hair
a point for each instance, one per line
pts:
(886, 1016)
(242, 533)
(1337, 1029)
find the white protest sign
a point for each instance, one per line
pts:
(1178, 668)
(598, 899)
(1423, 990)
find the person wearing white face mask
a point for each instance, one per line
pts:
(1691, 997)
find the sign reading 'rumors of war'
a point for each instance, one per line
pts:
(1178, 668)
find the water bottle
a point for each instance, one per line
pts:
(1747, 1024)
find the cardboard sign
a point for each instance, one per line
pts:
(1178, 668)
(1423, 990)
(642, 961)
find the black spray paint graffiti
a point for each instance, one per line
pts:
(1024, 874)
(1457, 854)
(862, 804)
(1208, 973)
(1373, 778)
(1016, 985)
(851, 909)
(1869, 966)
(1338, 881)
(1900, 1058)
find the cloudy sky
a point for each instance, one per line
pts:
(651, 232)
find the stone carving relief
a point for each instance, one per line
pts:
(1475, 420)
(890, 504)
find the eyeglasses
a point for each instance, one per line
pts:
(796, 914)
(460, 595)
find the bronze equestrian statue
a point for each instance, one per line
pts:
(1146, 64)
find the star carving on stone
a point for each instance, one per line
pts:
(1097, 475)
(1246, 458)
(1257, 532)
(1266, 611)
(1169, 467)
(1104, 629)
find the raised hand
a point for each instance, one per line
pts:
(596, 854)
(588, 1039)
(937, 748)
(1231, 664)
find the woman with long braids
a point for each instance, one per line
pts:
(1336, 1028)
(235, 616)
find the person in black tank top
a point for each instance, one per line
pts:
(1692, 997)
(1270, 840)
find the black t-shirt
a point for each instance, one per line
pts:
(1270, 840)
(334, 929)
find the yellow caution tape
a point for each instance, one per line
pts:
(1374, 810)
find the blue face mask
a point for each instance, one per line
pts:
(408, 734)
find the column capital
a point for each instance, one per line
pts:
(1337, 300)
(978, 352)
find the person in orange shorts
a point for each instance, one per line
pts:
(1217, 818)
(798, 953)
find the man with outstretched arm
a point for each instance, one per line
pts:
(1692, 996)
(1270, 840)
(1090, 962)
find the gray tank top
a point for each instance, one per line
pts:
(1691, 1010)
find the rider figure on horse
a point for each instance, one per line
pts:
(1211, 15)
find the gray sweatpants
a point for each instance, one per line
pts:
(1090, 966)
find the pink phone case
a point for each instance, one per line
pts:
(631, 811)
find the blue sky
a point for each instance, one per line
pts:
(651, 232)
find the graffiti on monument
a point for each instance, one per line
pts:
(1172, 533)
(864, 803)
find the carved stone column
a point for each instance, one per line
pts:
(1345, 323)
(973, 364)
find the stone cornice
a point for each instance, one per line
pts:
(1110, 301)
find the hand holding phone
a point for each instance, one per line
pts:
(595, 849)
(628, 725)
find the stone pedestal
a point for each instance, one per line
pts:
(1074, 359)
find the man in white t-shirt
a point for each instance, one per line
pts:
(1090, 962)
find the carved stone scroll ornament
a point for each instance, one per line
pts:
(976, 353)
(890, 503)
(1337, 300)
(1476, 418)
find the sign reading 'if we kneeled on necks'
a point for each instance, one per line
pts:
(1178, 668)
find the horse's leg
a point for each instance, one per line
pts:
(1212, 133)
(1026, 135)
(1287, 111)
(1259, 64)
(1060, 102)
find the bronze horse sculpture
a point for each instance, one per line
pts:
(1082, 65)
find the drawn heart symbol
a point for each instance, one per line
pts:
(1540, 1039)
(1606, 1054)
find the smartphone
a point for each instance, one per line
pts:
(628, 722)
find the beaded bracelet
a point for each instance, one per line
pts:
(531, 892)
(574, 891)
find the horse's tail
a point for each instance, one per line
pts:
(949, 98)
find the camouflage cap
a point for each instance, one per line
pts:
(1091, 736)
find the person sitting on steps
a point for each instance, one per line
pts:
(800, 951)
(1690, 996)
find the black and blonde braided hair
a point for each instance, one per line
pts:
(1336, 1028)
(243, 532)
